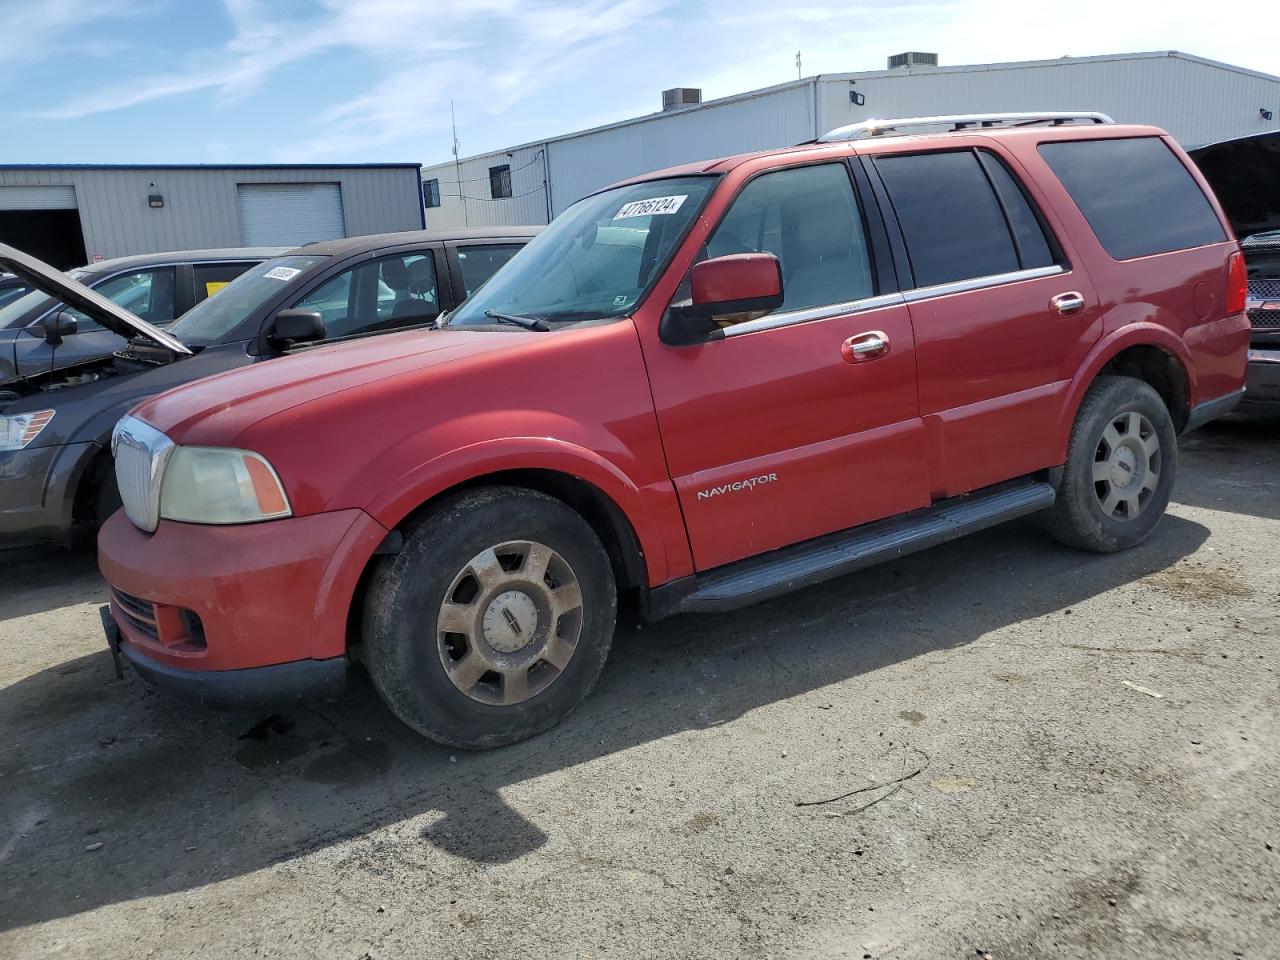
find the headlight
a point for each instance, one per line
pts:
(17, 431)
(220, 485)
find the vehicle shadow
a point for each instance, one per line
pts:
(1236, 466)
(36, 580)
(180, 797)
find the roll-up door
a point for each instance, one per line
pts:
(290, 214)
(40, 197)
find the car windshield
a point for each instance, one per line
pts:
(211, 320)
(598, 259)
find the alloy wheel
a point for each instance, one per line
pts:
(1126, 466)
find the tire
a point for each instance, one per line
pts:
(1121, 462)
(465, 643)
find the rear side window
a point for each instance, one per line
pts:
(950, 218)
(1136, 194)
(1028, 235)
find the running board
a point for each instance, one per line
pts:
(790, 568)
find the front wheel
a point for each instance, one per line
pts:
(1121, 461)
(494, 621)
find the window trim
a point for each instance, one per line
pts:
(811, 314)
(912, 292)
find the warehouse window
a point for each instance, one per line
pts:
(500, 181)
(431, 193)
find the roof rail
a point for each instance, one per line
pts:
(880, 128)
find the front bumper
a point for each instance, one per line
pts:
(199, 606)
(38, 491)
(1262, 379)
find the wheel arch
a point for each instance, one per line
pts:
(1146, 352)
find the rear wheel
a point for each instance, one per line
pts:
(494, 621)
(1120, 467)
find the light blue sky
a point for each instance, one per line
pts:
(245, 81)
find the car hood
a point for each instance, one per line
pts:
(217, 409)
(58, 285)
(1245, 174)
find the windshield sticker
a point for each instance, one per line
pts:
(281, 273)
(653, 207)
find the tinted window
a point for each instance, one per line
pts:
(212, 277)
(1028, 235)
(951, 221)
(379, 294)
(145, 293)
(480, 263)
(808, 218)
(1136, 194)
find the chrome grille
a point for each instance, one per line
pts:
(140, 451)
(1264, 288)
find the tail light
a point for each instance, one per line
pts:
(1237, 284)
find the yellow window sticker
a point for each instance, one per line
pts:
(213, 286)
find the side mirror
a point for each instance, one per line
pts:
(59, 325)
(736, 288)
(295, 326)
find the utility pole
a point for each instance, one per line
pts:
(457, 165)
(799, 75)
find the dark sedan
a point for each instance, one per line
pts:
(55, 426)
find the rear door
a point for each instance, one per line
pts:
(1002, 319)
(776, 433)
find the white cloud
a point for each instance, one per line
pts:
(28, 30)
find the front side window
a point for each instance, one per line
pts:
(808, 218)
(380, 294)
(500, 181)
(950, 218)
(145, 293)
(479, 263)
(596, 260)
(1136, 194)
(216, 318)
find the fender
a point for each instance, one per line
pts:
(1140, 334)
(653, 511)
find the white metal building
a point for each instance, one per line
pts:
(1198, 101)
(70, 215)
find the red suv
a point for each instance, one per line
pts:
(694, 390)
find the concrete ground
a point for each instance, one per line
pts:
(1096, 740)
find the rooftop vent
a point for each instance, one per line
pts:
(677, 98)
(913, 59)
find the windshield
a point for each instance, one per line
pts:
(211, 320)
(597, 259)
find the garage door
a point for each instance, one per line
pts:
(290, 214)
(38, 198)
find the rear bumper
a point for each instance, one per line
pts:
(204, 607)
(1262, 379)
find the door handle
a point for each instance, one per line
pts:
(1065, 304)
(865, 346)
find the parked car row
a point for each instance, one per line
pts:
(66, 388)
(694, 390)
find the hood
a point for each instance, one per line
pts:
(58, 285)
(1245, 174)
(216, 409)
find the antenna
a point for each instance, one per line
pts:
(457, 165)
(799, 76)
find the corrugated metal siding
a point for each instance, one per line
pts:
(1196, 102)
(60, 197)
(201, 207)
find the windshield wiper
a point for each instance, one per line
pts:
(527, 323)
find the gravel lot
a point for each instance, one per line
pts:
(1098, 737)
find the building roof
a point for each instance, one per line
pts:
(868, 75)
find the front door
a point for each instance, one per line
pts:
(779, 432)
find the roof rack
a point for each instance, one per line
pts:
(880, 128)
